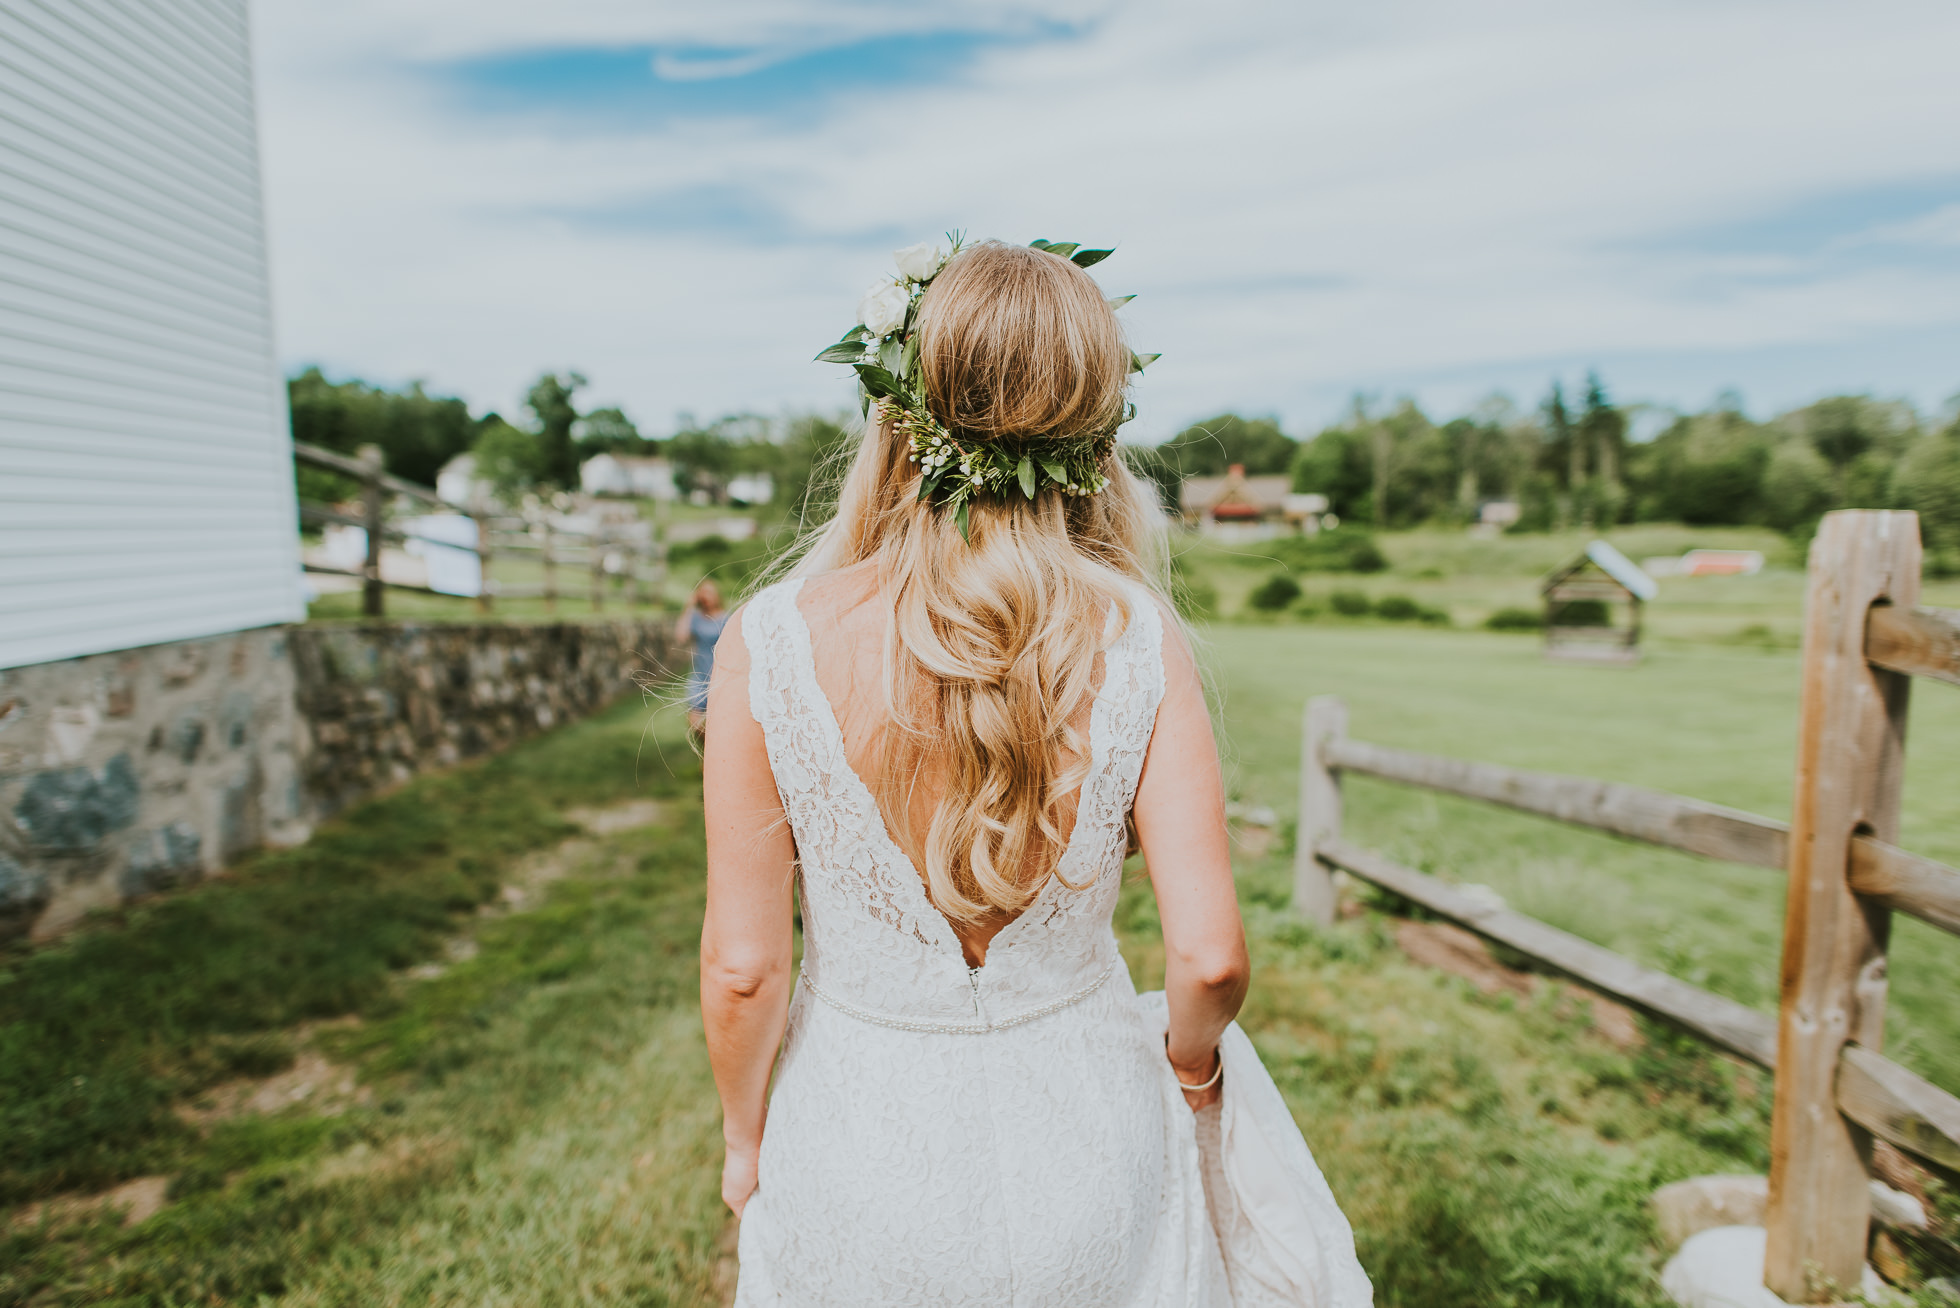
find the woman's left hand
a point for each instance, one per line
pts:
(1211, 1078)
(738, 1178)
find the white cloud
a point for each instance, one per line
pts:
(1309, 200)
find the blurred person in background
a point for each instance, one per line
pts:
(700, 626)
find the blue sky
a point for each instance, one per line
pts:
(1411, 198)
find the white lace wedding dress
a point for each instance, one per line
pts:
(1010, 1134)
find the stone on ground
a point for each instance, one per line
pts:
(1722, 1267)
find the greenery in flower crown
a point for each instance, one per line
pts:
(883, 347)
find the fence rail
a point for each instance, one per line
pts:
(1864, 637)
(601, 554)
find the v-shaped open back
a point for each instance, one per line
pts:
(857, 790)
(872, 937)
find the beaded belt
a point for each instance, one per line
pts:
(956, 1028)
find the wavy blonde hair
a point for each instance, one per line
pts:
(990, 643)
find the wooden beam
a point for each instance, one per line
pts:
(1320, 807)
(341, 463)
(1919, 642)
(1650, 815)
(1850, 766)
(1907, 882)
(1895, 1105)
(1732, 1026)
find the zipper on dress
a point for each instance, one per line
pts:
(979, 1011)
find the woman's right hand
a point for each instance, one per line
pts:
(738, 1178)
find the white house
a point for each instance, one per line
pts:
(149, 530)
(751, 488)
(146, 477)
(625, 474)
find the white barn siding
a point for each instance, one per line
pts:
(146, 488)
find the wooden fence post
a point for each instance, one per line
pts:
(371, 505)
(1851, 733)
(481, 519)
(1320, 808)
(550, 561)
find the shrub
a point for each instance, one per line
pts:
(1400, 608)
(1344, 549)
(1350, 603)
(1274, 593)
(1515, 619)
(709, 549)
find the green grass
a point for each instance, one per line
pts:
(1471, 579)
(539, 1125)
(1712, 722)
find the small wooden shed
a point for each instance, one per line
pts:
(1587, 590)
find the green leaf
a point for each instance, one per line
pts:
(1138, 362)
(889, 355)
(1037, 245)
(1063, 248)
(880, 383)
(1120, 300)
(965, 534)
(910, 362)
(1026, 473)
(1056, 472)
(843, 352)
(1083, 258)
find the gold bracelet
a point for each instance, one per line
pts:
(1214, 1076)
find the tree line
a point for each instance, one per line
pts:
(1567, 462)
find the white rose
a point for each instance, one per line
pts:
(918, 262)
(882, 310)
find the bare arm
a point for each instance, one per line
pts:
(1180, 817)
(746, 944)
(683, 631)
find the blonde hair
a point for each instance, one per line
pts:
(990, 643)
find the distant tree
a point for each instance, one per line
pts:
(1208, 448)
(1337, 463)
(510, 458)
(1839, 433)
(417, 432)
(1602, 431)
(1929, 483)
(550, 401)
(816, 450)
(609, 431)
(1562, 457)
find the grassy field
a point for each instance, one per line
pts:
(535, 1124)
(491, 993)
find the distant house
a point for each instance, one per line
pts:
(146, 463)
(149, 530)
(628, 475)
(1243, 507)
(751, 488)
(458, 484)
(1580, 599)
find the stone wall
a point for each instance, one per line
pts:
(130, 773)
(127, 773)
(380, 703)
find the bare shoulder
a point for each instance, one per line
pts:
(732, 650)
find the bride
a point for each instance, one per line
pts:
(944, 729)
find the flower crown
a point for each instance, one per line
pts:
(883, 347)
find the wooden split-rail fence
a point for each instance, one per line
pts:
(634, 560)
(1864, 641)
